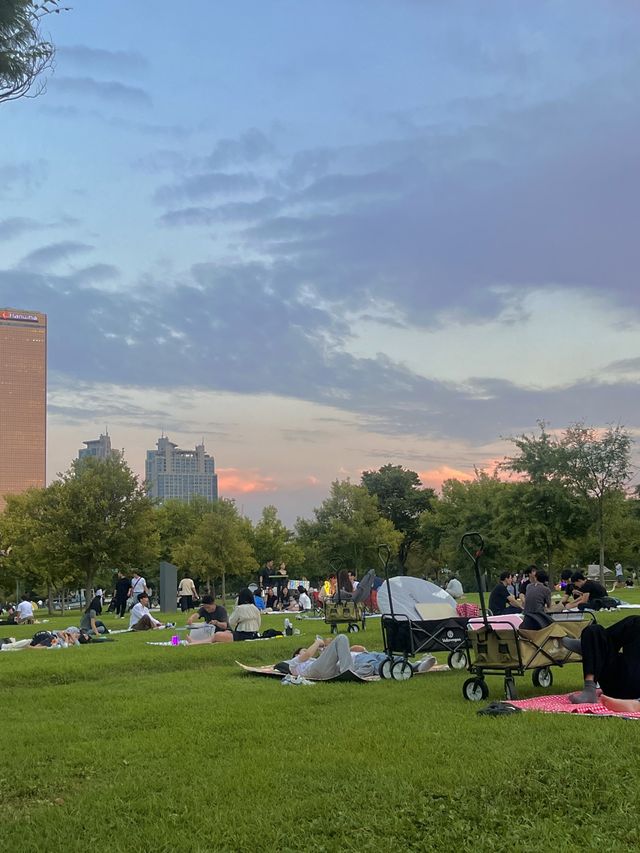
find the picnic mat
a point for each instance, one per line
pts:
(270, 672)
(562, 705)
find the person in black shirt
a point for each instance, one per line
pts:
(501, 602)
(216, 616)
(611, 657)
(589, 593)
(123, 584)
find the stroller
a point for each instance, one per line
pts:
(417, 616)
(499, 647)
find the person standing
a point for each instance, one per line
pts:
(187, 593)
(619, 574)
(265, 574)
(123, 586)
(138, 586)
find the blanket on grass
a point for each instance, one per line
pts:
(270, 672)
(562, 705)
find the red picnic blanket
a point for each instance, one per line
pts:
(562, 705)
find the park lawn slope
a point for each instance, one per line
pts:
(138, 747)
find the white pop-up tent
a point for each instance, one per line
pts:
(416, 599)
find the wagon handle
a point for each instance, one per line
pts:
(472, 544)
(384, 555)
(467, 543)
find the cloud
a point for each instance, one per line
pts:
(435, 477)
(51, 254)
(109, 91)
(207, 185)
(99, 59)
(250, 147)
(22, 178)
(238, 211)
(17, 225)
(234, 481)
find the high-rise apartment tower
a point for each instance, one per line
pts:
(23, 400)
(180, 474)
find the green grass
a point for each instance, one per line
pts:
(140, 748)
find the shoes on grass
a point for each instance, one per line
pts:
(426, 663)
(499, 709)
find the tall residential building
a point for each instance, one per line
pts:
(180, 474)
(23, 400)
(98, 448)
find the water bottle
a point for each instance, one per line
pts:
(175, 640)
(288, 628)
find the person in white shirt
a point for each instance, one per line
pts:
(138, 586)
(140, 619)
(454, 588)
(24, 614)
(303, 599)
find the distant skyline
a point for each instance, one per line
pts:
(324, 237)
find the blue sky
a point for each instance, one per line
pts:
(324, 236)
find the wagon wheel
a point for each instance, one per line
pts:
(385, 668)
(457, 659)
(475, 689)
(542, 677)
(401, 670)
(353, 628)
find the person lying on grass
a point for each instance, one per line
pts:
(611, 658)
(216, 617)
(336, 657)
(41, 640)
(140, 618)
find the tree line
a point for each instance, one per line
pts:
(560, 500)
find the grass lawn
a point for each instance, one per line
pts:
(133, 747)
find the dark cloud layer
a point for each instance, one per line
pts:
(109, 91)
(98, 59)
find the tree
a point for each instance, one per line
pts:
(597, 464)
(176, 520)
(347, 528)
(271, 539)
(402, 500)
(477, 504)
(103, 519)
(24, 52)
(589, 463)
(33, 558)
(219, 546)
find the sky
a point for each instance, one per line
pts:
(327, 236)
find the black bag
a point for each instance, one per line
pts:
(43, 638)
(271, 632)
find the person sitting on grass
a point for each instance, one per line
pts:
(258, 600)
(537, 601)
(501, 601)
(245, 619)
(89, 623)
(215, 616)
(271, 599)
(588, 593)
(304, 602)
(336, 657)
(140, 619)
(610, 657)
(24, 612)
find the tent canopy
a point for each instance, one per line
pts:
(407, 592)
